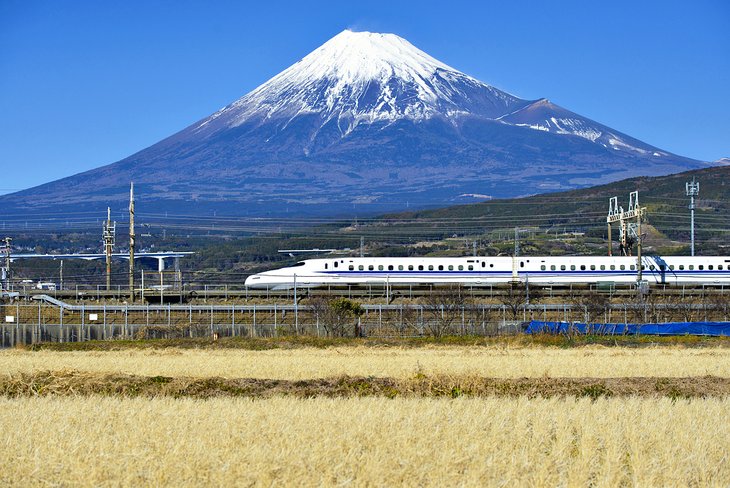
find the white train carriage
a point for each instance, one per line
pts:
(544, 270)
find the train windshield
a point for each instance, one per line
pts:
(300, 263)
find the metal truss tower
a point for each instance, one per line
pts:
(629, 232)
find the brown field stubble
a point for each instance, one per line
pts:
(95, 441)
(76, 383)
(390, 362)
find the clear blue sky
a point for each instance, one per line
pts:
(86, 83)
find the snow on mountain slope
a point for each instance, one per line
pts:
(545, 116)
(366, 77)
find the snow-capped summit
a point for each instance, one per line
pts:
(361, 125)
(366, 76)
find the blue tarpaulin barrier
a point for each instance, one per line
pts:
(669, 328)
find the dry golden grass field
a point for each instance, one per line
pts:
(522, 416)
(307, 363)
(95, 441)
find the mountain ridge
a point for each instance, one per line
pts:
(366, 120)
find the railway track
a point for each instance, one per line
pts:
(229, 292)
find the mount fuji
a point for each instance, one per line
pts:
(365, 123)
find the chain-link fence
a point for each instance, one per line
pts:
(56, 321)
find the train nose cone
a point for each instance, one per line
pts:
(253, 281)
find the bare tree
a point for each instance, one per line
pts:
(686, 307)
(592, 305)
(716, 305)
(410, 319)
(318, 306)
(516, 297)
(443, 306)
(647, 308)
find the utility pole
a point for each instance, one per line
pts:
(517, 242)
(131, 242)
(60, 276)
(108, 238)
(362, 246)
(474, 247)
(693, 190)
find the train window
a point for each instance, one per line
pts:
(380, 267)
(461, 267)
(522, 264)
(352, 268)
(400, 267)
(484, 264)
(701, 266)
(691, 267)
(613, 267)
(441, 267)
(552, 267)
(622, 267)
(632, 267)
(390, 267)
(709, 267)
(430, 267)
(643, 267)
(491, 265)
(420, 267)
(471, 267)
(542, 267)
(325, 265)
(661, 267)
(671, 267)
(361, 267)
(582, 267)
(562, 267)
(719, 266)
(651, 267)
(593, 267)
(410, 267)
(681, 267)
(451, 267)
(335, 264)
(603, 267)
(572, 267)
(371, 267)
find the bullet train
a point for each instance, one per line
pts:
(475, 271)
